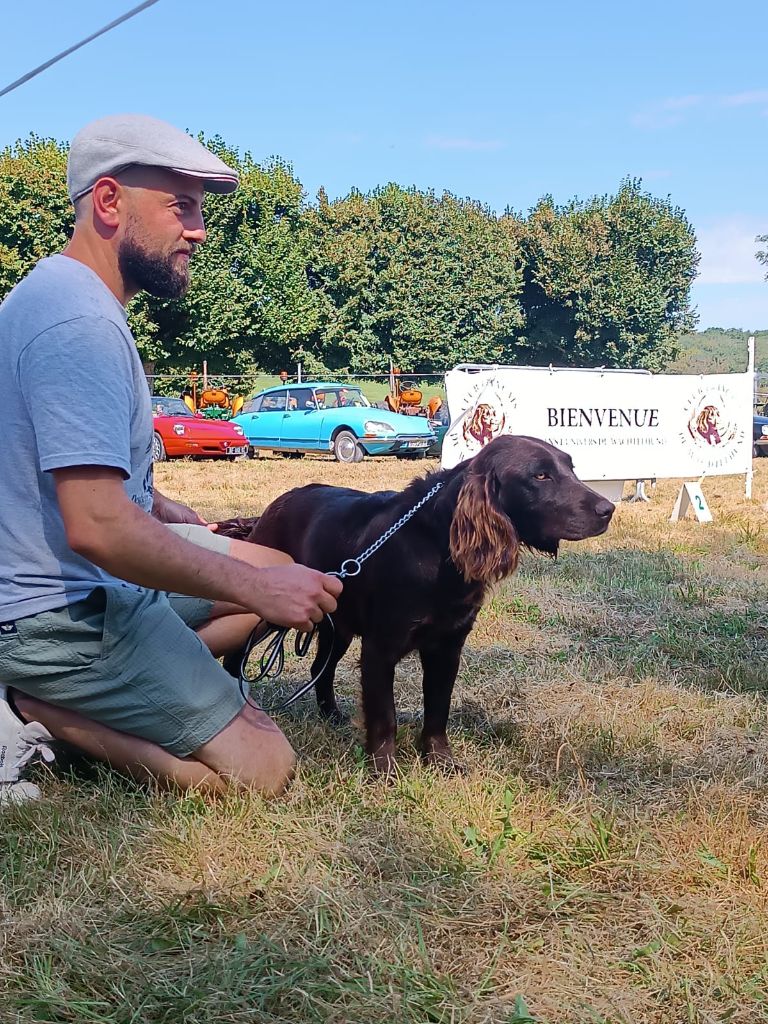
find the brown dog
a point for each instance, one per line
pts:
(423, 590)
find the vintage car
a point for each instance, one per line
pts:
(330, 417)
(440, 423)
(180, 432)
(759, 435)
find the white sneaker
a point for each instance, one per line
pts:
(20, 742)
(18, 792)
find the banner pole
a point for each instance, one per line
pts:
(751, 372)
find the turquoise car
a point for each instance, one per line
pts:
(327, 417)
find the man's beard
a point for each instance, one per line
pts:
(160, 275)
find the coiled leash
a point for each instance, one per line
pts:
(272, 660)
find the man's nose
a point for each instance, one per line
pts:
(195, 231)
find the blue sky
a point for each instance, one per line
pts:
(503, 102)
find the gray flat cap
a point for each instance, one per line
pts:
(111, 144)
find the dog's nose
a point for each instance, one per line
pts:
(604, 509)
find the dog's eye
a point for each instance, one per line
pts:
(542, 476)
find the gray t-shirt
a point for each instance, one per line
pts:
(74, 394)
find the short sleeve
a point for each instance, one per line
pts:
(77, 382)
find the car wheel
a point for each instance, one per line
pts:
(293, 455)
(158, 449)
(346, 448)
(253, 453)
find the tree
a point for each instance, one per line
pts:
(453, 281)
(36, 216)
(762, 256)
(607, 282)
(404, 274)
(426, 280)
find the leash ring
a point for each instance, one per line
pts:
(345, 570)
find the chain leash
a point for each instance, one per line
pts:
(352, 566)
(272, 660)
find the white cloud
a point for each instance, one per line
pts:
(745, 99)
(466, 144)
(667, 112)
(728, 250)
(673, 110)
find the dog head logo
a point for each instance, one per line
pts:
(705, 424)
(484, 410)
(714, 425)
(485, 423)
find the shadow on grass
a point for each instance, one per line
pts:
(200, 959)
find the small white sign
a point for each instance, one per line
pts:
(691, 495)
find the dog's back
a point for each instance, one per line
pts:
(319, 525)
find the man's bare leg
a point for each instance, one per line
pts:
(250, 752)
(229, 625)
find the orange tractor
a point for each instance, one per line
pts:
(214, 403)
(404, 397)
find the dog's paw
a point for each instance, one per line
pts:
(436, 753)
(334, 716)
(383, 764)
(446, 765)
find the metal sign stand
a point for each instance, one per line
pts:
(751, 369)
(640, 494)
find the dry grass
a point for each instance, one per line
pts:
(602, 861)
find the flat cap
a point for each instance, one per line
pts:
(111, 144)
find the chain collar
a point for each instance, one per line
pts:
(352, 566)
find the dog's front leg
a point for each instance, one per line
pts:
(378, 679)
(331, 648)
(440, 665)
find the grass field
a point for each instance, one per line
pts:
(604, 859)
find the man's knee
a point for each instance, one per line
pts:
(271, 767)
(252, 752)
(283, 767)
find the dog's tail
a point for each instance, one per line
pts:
(239, 528)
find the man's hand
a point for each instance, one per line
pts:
(169, 511)
(294, 596)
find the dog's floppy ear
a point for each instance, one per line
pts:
(483, 543)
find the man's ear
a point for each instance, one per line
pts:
(106, 198)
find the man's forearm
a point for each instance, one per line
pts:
(138, 548)
(104, 526)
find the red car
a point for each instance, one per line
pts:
(179, 432)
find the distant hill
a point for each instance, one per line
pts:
(719, 350)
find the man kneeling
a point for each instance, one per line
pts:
(97, 645)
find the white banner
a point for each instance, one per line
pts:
(615, 424)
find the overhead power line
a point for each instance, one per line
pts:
(65, 53)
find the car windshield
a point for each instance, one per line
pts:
(169, 407)
(337, 398)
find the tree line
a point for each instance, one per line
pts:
(427, 280)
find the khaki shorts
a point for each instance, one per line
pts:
(130, 659)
